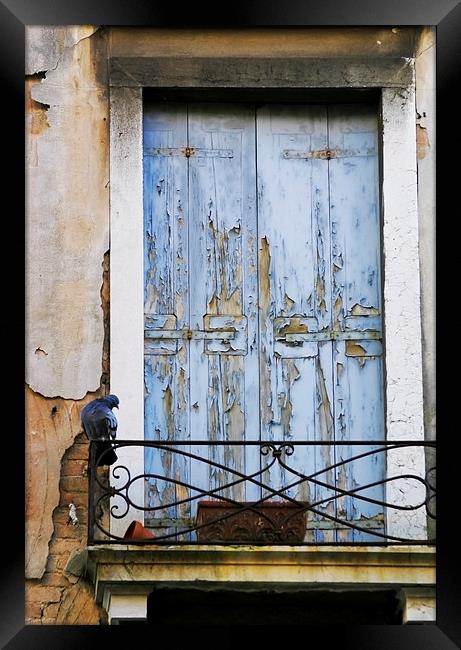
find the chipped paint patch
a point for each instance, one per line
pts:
(364, 310)
(422, 141)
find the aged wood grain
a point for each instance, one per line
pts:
(356, 296)
(223, 241)
(166, 299)
(293, 226)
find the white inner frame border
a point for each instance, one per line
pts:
(402, 314)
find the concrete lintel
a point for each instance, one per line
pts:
(138, 568)
(242, 72)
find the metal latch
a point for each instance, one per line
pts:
(329, 336)
(187, 152)
(327, 154)
(188, 334)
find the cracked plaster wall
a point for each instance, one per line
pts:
(425, 67)
(67, 236)
(67, 208)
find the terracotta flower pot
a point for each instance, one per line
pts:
(137, 531)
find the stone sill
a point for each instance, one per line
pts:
(319, 566)
(124, 573)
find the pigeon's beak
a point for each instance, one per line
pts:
(116, 406)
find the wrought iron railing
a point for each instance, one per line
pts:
(262, 492)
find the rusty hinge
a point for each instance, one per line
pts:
(187, 334)
(188, 152)
(326, 154)
(329, 335)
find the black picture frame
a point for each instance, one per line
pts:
(14, 16)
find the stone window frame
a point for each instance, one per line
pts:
(394, 78)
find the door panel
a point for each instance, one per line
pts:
(296, 380)
(356, 296)
(166, 268)
(318, 223)
(262, 241)
(223, 292)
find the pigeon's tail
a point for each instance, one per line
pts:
(105, 454)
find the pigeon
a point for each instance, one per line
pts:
(99, 423)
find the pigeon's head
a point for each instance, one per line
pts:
(112, 401)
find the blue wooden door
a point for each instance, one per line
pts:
(264, 222)
(320, 306)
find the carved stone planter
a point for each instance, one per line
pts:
(271, 521)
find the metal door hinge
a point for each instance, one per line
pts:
(188, 334)
(188, 152)
(326, 154)
(301, 337)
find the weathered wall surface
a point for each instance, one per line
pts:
(67, 228)
(425, 69)
(67, 206)
(425, 147)
(263, 42)
(59, 596)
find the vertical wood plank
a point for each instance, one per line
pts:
(294, 281)
(166, 294)
(356, 300)
(222, 241)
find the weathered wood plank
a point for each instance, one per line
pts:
(166, 305)
(294, 288)
(356, 299)
(223, 284)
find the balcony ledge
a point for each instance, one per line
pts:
(123, 571)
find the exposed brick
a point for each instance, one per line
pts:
(77, 452)
(51, 611)
(56, 563)
(51, 563)
(75, 468)
(77, 498)
(74, 484)
(65, 546)
(64, 531)
(44, 594)
(55, 579)
(33, 610)
(61, 516)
